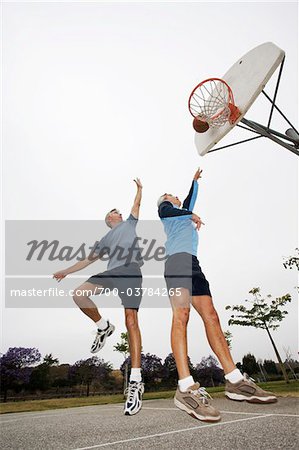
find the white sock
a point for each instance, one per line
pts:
(135, 374)
(102, 324)
(185, 383)
(234, 376)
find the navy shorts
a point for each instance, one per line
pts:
(182, 270)
(126, 279)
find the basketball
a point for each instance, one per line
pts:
(199, 125)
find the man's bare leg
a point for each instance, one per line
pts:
(181, 310)
(204, 306)
(87, 306)
(135, 387)
(131, 317)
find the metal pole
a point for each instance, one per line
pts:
(235, 143)
(267, 134)
(280, 112)
(275, 93)
(271, 131)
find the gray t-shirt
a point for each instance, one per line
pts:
(121, 244)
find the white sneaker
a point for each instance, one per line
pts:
(134, 393)
(101, 336)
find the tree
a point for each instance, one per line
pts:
(239, 366)
(208, 371)
(151, 366)
(249, 364)
(40, 377)
(15, 367)
(270, 367)
(289, 362)
(123, 347)
(292, 261)
(50, 361)
(265, 314)
(170, 371)
(89, 370)
(228, 336)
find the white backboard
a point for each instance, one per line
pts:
(247, 78)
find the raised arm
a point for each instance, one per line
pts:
(137, 200)
(190, 200)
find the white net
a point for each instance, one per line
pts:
(210, 102)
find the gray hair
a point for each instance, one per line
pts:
(107, 221)
(161, 200)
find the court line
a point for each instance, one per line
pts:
(265, 414)
(167, 433)
(48, 414)
(222, 411)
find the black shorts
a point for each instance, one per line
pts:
(183, 270)
(126, 279)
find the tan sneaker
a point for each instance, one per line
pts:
(195, 402)
(247, 390)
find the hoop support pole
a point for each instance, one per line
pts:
(270, 134)
(280, 112)
(235, 143)
(276, 90)
(271, 131)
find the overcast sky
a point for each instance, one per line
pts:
(96, 94)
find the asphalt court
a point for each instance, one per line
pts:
(159, 425)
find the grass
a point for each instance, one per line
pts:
(279, 387)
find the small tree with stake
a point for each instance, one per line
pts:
(124, 348)
(262, 314)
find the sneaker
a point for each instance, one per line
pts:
(247, 390)
(101, 336)
(195, 402)
(133, 402)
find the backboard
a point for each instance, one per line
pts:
(247, 78)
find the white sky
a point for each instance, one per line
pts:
(96, 94)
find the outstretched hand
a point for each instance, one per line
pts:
(197, 174)
(60, 275)
(197, 221)
(138, 183)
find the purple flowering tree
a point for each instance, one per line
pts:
(208, 372)
(16, 366)
(151, 367)
(170, 370)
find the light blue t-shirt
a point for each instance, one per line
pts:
(181, 233)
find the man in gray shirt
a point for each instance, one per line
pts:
(123, 274)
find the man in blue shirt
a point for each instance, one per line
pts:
(186, 283)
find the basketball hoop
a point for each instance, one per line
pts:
(212, 101)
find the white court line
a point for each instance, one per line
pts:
(167, 433)
(265, 414)
(223, 412)
(176, 409)
(158, 409)
(286, 415)
(48, 414)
